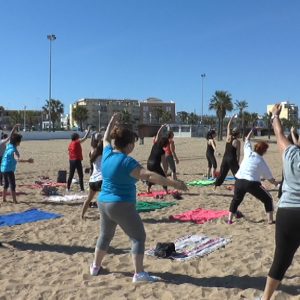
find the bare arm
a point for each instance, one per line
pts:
(282, 141)
(249, 135)
(143, 174)
(110, 126)
(86, 135)
(172, 148)
(10, 134)
(228, 128)
(293, 131)
(159, 132)
(18, 159)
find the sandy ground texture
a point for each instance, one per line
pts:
(50, 259)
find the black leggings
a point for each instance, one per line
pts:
(157, 169)
(226, 165)
(75, 165)
(9, 180)
(243, 186)
(287, 240)
(211, 160)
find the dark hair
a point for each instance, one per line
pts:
(123, 136)
(96, 137)
(289, 137)
(15, 139)
(235, 132)
(210, 134)
(4, 136)
(170, 134)
(163, 142)
(261, 147)
(75, 136)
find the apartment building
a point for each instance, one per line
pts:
(101, 110)
(148, 112)
(289, 111)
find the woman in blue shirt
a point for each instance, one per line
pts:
(117, 200)
(8, 165)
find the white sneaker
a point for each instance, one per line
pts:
(94, 270)
(144, 277)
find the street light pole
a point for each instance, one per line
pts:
(50, 37)
(99, 112)
(24, 129)
(202, 76)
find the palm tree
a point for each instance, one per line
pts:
(183, 116)
(241, 105)
(57, 108)
(80, 114)
(267, 120)
(221, 102)
(193, 119)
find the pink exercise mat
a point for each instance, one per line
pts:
(199, 215)
(158, 193)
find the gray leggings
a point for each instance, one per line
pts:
(125, 215)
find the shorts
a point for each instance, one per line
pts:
(95, 186)
(9, 180)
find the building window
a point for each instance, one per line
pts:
(168, 108)
(145, 108)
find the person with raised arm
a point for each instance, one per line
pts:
(4, 140)
(9, 162)
(75, 158)
(248, 179)
(231, 156)
(157, 159)
(287, 237)
(117, 199)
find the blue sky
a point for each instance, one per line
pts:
(136, 49)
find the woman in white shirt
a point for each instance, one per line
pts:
(95, 181)
(248, 179)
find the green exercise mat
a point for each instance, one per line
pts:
(201, 182)
(142, 206)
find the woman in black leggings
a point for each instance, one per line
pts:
(210, 154)
(231, 156)
(287, 232)
(157, 157)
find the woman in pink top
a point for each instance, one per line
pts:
(170, 154)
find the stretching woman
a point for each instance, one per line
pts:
(117, 199)
(231, 156)
(210, 154)
(287, 231)
(171, 156)
(75, 158)
(95, 181)
(248, 177)
(157, 157)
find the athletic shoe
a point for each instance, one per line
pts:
(94, 270)
(239, 214)
(229, 222)
(144, 277)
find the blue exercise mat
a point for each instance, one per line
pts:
(230, 178)
(28, 216)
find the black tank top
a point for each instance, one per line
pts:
(230, 151)
(210, 149)
(155, 155)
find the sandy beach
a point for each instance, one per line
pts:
(50, 259)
